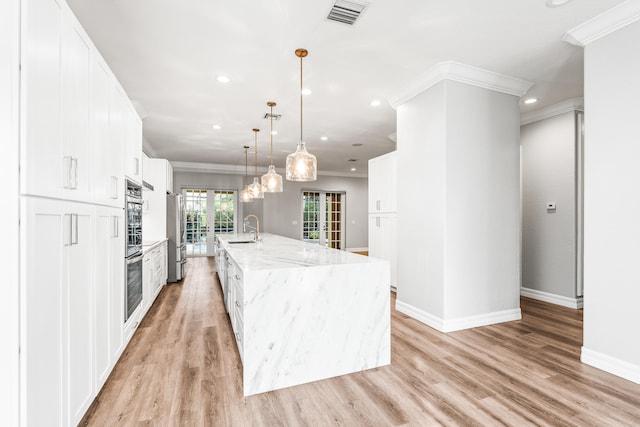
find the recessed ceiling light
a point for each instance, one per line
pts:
(223, 79)
(216, 127)
(375, 103)
(531, 100)
(306, 91)
(557, 3)
(353, 169)
(324, 138)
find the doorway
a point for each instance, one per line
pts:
(208, 212)
(323, 218)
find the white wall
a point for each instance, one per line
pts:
(277, 211)
(482, 225)
(549, 175)
(612, 204)
(9, 214)
(459, 206)
(421, 155)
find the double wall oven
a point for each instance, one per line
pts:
(133, 259)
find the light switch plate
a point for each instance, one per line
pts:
(551, 206)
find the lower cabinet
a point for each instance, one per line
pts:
(66, 331)
(382, 240)
(154, 274)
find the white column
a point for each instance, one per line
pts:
(459, 197)
(9, 214)
(611, 192)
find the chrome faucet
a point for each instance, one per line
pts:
(255, 230)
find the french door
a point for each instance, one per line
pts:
(208, 212)
(323, 218)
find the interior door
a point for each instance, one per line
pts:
(323, 216)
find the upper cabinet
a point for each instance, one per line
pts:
(78, 128)
(169, 178)
(133, 145)
(108, 104)
(383, 183)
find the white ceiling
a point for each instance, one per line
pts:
(168, 53)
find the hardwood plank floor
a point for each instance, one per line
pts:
(182, 368)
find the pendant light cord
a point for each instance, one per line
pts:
(246, 163)
(271, 137)
(301, 139)
(256, 150)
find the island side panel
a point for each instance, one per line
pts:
(311, 323)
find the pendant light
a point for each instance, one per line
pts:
(245, 194)
(301, 165)
(271, 181)
(255, 188)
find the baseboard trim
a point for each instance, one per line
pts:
(612, 365)
(452, 325)
(552, 298)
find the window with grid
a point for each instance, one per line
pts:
(333, 220)
(223, 220)
(196, 221)
(311, 216)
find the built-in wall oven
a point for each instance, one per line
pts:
(133, 259)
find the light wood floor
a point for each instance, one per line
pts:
(182, 369)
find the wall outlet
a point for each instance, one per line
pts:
(551, 206)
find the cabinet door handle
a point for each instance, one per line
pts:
(377, 221)
(74, 234)
(237, 277)
(238, 337)
(67, 160)
(237, 304)
(377, 205)
(114, 224)
(114, 187)
(68, 219)
(137, 166)
(74, 173)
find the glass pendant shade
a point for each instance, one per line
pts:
(256, 189)
(245, 195)
(301, 165)
(271, 181)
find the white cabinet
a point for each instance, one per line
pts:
(41, 158)
(155, 211)
(154, 274)
(383, 241)
(133, 145)
(383, 183)
(147, 280)
(169, 178)
(109, 283)
(56, 306)
(382, 210)
(107, 105)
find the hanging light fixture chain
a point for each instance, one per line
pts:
(301, 139)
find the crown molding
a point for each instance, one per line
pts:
(451, 70)
(239, 170)
(604, 24)
(575, 104)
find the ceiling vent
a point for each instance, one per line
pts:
(275, 116)
(346, 11)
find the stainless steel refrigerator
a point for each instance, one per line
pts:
(176, 235)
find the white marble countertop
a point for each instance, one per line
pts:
(275, 252)
(149, 245)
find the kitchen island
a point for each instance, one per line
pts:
(301, 312)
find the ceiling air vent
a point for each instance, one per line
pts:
(346, 11)
(275, 116)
